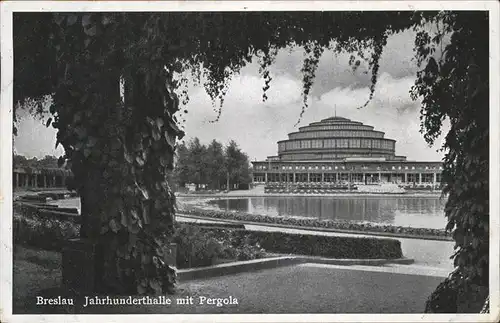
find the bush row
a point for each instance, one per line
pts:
(47, 211)
(44, 233)
(312, 222)
(199, 246)
(50, 229)
(314, 245)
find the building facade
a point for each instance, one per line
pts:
(38, 178)
(338, 150)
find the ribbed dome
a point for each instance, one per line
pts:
(336, 138)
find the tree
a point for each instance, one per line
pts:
(197, 163)
(120, 149)
(46, 162)
(231, 163)
(208, 165)
(181, 171)
(19, 161)
(236, 165)
(215, 166)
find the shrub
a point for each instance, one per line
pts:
(195, 248)
(444, 298)
(49, 234)
(316, 245)
(49, 229)
(248, 252)
(455, 295)
(198, 246)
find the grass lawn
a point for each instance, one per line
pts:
(294, 289)
(38, 273)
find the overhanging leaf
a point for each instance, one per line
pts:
(145, 214)
(91, 31)
(159, 123)
(139, 161)
(86, 21)
(114, 225)
(141, 290)
(72, 19)
(124, 221)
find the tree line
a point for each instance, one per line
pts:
(213, 166)
(46, 162)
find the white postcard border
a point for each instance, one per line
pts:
(6, 150)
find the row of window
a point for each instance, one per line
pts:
(336, 143)
(346, 133)
(336, 122)
(333, 177)
(328, 167)
(336, 127)
(329, 156)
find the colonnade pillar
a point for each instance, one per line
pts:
(420, 178)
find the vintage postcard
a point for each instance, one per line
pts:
(270, 161)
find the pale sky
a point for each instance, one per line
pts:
(257, 126)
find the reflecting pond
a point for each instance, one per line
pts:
(417, 212)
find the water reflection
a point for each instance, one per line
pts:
(418, 212)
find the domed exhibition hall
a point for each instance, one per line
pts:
(340, 151)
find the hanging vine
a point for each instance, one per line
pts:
(453, 86)
(313, 52)
(265, 61)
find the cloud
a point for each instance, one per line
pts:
(34, 139)
(334, 70)
(253, 124)
(391, 111)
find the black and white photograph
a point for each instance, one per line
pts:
(321, 160)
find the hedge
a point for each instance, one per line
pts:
(46, 211)
(43, 233)
(200, 244)
(49, 229)
(317, 245)
(315, 223)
